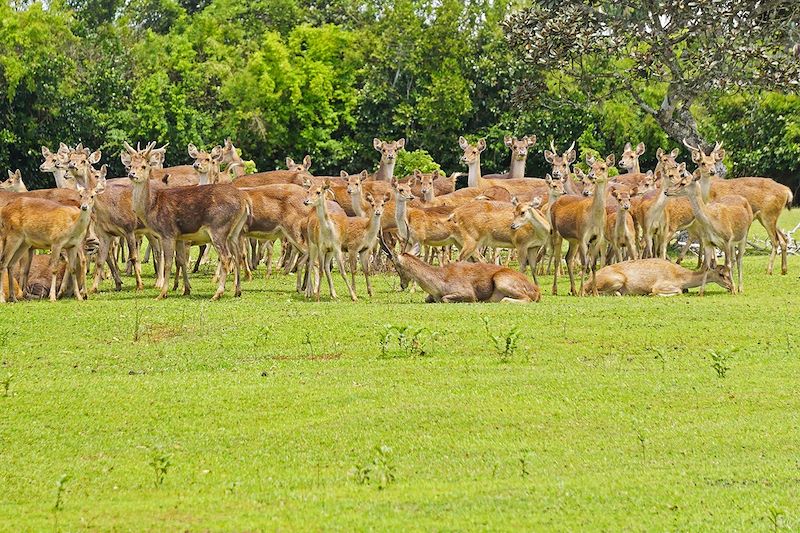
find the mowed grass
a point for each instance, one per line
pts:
(255, 412)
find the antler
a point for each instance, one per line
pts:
(689, 146)
(128, 147)
(553, 147)
(571, 147)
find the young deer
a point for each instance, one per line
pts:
(361, 237)
(388, 150)
(723, 223)
(653, 211)
(519, 156)
(620, 232)
(14, 182)
(582, 222)
(206, 164)
(766, 197)
(54, 163)
(462, 281)
(531, 230)
(326, 233)
(28, 224)
(195, 214)
(657, 277)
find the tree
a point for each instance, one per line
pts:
(664, 54)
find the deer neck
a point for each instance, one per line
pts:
(385, 170)
(570, 187)
(657, 207)
(356, 199)
(238, 170)
(692, 279)
(373, 227)
(210, 177)
(474, 178)
(428, 277)
(635, 168)
(599, 203)
(430, 195)
(142, 199)
(699, 207)
(401, 217)
(619, 223)
(60, 177)
(705, 186)
(517, 169)
(325, 223)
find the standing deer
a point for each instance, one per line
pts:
(620, 232)
(519, 156)
(53, 163)
(361, 237)
(194, 214)
(28, 224)
(561, 166)
(582, 222)
(326, 233)
(722, 223)
(388, 150)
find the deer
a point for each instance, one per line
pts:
(462, 281)
(766, 197)
(519, 156)
(361, 237)
(432, 227)
(472, 158)
(206, 164)
(722, 223)
(235, 164)
(582, 222)
(656, 277)
(303, 166)
(326, 233)
(14, 182)
(388, 151)
(652, 212)
(195, 214)
(28, 224)
(619, 231)
(51, 163)
(561, 167)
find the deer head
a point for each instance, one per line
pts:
(402, 190)
(388, 149)
(377, 204)
(528, 213)
(706, 164)
(561, 163)
(137, 162)
(88, 194)
(79, 164)
(472, 152)
(205, 162)
(14, 182)
(623, 197)
(519, 147)
(354, 181)
(158, 156)
(54, 160)
(630, 157)
(556, 186)
(318, 193)
(304, 166)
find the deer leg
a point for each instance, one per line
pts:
(327, 266)
(340, 262)
(25, 269)
(364, 256)
(168, 246)
(133, 259)
(203, 248)
(73, 265)
(99, 259)
(583, 251)
(55, 258)
(13, 253)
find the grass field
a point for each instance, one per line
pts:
(269, 412)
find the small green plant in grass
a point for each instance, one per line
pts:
(775, 517)
(660, 356)
(160, 462)
(61, 486)
(410, 341)
(719, 362)
(7, 384)
(4, 337)
(309, 346)
(379, 470)
(505, 345)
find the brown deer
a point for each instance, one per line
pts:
(303, 166)
(388, 150)
(326, 233)
(230, 157)
(361, 237)
(430, 226)
(462, 281)
(619, 232)
(206, 164)
(655, 213)
(766, 197)
(582, 222)
(630, 158)
(519, 156)
(561, 167)
(28, 224)
(722, 223)
(14, 182)
(196, 214)
(517, 187)
(657, 277)
(54, 163)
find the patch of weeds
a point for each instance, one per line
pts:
(160, 462)
(775, 517)
(660, 356)
(378, 471)
(309, 346)
(719, 362)
(263, 335)
(505, 345)
(61, 486)
(410, 342)
(6, 382)
(5, 335)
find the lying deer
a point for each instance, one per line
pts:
(658, 277)
(462, 281)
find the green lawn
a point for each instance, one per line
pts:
(609, 415)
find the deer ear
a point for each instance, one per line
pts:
(481, 145)
(610, 160)
(659, 152)
(307, 162)
(531, 140)
(548, 156)
(401, 143)
(696, 156)
(45, 151)
(682, 168)
(508, 141)
(343, 174)
(674, 153)
(307, 183)
(589, 159)
(615, 194)
(216, 152)
(640, 148)
(627, 147)
(377, 144)
(63, 148)
(719, 154)
(387, 196)
(289, 162)
(370, 199)
(571, 156)
(125, 157)
(326, 184)
(463, 143)
(95, 156)
(364, 175)
(10, 175)
(514, 201)
(192, 149)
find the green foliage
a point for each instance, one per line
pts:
(408, 161)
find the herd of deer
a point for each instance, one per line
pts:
(624, 222)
